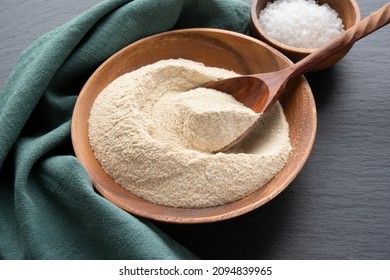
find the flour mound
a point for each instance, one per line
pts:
(201, 119)
(153, 130)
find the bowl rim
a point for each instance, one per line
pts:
(161, 213)
(254, 18)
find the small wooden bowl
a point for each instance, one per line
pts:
(348, 11)
(213, 47)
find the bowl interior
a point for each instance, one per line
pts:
(217, 48)
(348, 11)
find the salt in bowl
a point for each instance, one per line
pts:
(347, 10)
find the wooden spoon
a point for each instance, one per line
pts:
(260, 91)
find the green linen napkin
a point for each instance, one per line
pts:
(48, 207)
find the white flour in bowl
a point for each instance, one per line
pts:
(153, 130)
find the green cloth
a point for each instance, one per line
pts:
(48, 207)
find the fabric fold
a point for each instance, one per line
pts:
(48, 207)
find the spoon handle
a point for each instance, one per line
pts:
(371, 23)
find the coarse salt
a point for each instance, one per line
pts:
(300, 23)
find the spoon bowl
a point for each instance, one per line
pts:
(249, 90)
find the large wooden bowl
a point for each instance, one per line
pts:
(348, 11)
(213, 47)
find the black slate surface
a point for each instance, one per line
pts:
(339, 205)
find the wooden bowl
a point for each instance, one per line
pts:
(348, 11)
(213, 47)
